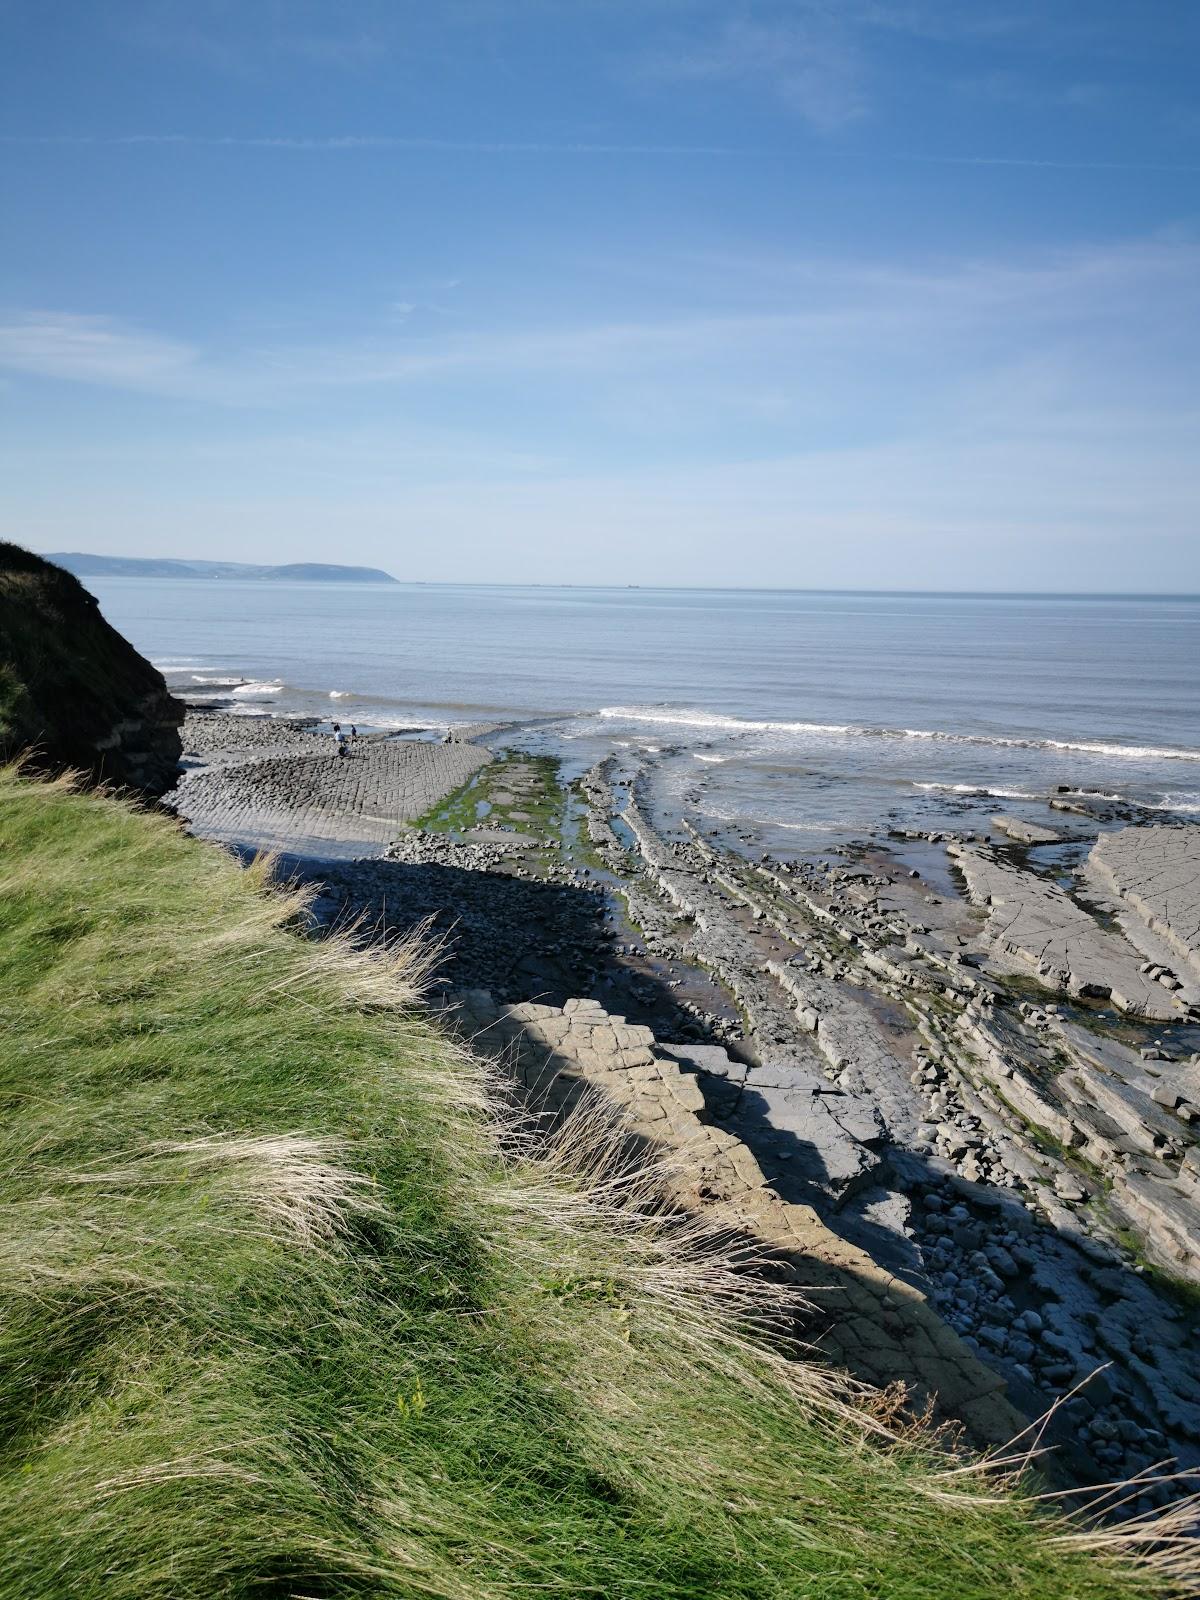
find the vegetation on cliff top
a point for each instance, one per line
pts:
(287, 1313)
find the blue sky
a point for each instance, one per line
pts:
(876, 293)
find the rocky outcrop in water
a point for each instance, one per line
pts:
(73, 692)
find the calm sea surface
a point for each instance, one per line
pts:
(805, 713)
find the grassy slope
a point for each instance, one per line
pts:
(282, 1320)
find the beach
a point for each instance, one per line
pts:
(958, 1068)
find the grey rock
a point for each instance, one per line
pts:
(1027, 832)
(1156, 873)
(1037, 922)
(1002, 1262)
(1069, 1187)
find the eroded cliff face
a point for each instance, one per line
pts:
(73, 692)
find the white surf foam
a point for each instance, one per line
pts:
(672, 717)
(707, 719)
(980, 789)
(260, 690)
(1188, 803)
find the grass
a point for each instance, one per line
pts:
(290, 1310)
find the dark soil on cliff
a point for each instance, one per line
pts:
(73, 692)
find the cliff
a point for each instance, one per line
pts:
(73, 692)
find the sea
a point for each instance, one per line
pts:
(788, 719)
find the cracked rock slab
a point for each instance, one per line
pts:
(860, 1314)
(1035, 921)
(1156, 873)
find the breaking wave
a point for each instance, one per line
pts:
(708, 719)
(671, 717)
(980, 789)
(258, 690)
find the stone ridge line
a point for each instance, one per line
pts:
(354, 804)
(866, 1319)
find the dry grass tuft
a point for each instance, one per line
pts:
(296, 1303)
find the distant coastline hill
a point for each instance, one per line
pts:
(87, 566)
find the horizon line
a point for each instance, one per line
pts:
(646, 588)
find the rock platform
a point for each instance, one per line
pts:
(982, 1191)
(1061, 943)
(287, 789)
(861, 1316)
(1156, 873)
(1023, 832)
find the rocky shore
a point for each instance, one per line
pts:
(264, 783)
(954, 1079)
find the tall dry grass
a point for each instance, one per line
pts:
(295, 1304)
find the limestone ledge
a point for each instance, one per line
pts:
(1039, 924)
(1156, 872)
(865, 1318)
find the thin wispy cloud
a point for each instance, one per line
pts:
(832, 65)
(351, 143)
(366, 142)
(847, 326)
(1051, 162)
(808, 63)
(92, 349)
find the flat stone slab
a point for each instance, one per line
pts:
(813, 1140)
(810, 1139)
(1023, 832)
(363, 799)
(861, 1315)
(1156, 872)
(1067, 948)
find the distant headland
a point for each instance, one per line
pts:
(88, 566)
